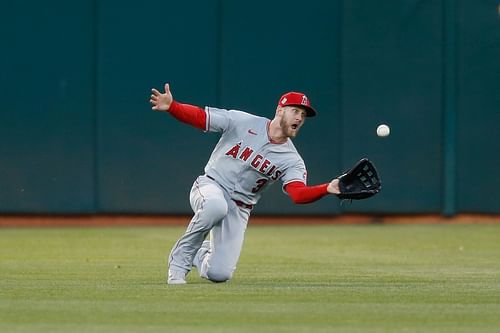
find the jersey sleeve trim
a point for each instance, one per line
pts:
(207, 123)
(294, 180)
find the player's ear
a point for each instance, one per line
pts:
(279, 110)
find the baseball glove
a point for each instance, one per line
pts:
(360, 182)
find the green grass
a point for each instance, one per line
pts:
(384, 278)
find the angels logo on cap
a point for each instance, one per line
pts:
(298, 99)
(305, 100)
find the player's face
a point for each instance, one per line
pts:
(292, 119)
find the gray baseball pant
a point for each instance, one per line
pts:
(217, 214)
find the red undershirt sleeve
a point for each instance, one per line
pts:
(302, 194)
(189, 114)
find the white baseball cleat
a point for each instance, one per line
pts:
(176, 277)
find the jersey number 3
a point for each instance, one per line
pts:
(260, 183)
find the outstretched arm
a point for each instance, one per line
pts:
(302, 194)
(189, 114)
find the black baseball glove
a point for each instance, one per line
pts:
(360, 182)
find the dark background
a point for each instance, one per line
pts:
(77, 135)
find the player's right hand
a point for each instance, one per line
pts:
(333, 187)
(159, 101)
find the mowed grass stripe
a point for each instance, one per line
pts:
(363, 278)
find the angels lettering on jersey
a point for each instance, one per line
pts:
(257, 161)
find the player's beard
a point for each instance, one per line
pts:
(287, 128)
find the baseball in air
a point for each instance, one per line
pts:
(383, 130)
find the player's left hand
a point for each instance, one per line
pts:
(333, 187)
(359, 182)
(159, 101)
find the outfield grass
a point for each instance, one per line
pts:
(384, 278)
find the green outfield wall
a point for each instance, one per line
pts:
(77, 135)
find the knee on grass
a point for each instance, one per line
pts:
(219, 275)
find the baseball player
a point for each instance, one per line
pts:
(252, 153)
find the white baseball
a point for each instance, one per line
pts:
(383, 130)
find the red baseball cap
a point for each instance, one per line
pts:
(297, 99)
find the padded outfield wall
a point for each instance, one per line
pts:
(77, 135)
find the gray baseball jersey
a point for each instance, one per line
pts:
(245, 161)
(243, 164)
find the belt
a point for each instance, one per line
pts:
(237, 202)
(242, 204)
